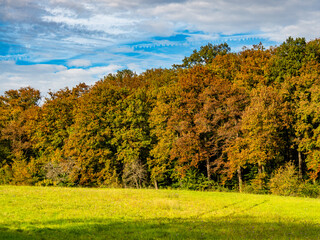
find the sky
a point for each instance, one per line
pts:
(52, 44)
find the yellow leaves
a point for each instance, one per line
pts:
(241, 111)
(313, 163)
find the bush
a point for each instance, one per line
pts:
(258, 184)
(134, 174)
(309, 190)
(193, 180)
(21, 173)
(285, 181)
(5, 174)
(58, 173)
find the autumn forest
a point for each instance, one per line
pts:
(219, 120)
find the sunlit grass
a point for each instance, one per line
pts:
(81, 213)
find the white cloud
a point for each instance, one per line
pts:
(79, 63)
(144, 17)
(85, 33)
(45, 76)
(135, 68)
(128, 20)
(230, 17)
(308, 27)
(110, 23)
(104, 23)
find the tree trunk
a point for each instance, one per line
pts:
(240, 179)
(208, 169)
(260, 168)
(136, 181)
(155, 184)
(300, 164)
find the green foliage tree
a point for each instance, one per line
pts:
(204, 56)
(131, 133)
(288, 60)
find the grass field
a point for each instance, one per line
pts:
(80, 213)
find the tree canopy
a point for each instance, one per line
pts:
(218, 119)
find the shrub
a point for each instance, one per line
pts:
(58, 173)
(309, 190)
(258, 184)
(193, 180)
(285, 181)
(21, 173)
(134, 174)
(5, 174)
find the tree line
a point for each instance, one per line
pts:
(218, 120)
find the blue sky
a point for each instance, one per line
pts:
(51, 44)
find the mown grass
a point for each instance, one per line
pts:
(79, 213)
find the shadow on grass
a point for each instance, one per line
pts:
(163, 228)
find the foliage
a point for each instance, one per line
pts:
(285, 181)
(58, 172)
(219, 120)
(259, 183)
(194, 180)
(5, 174)
(134, 174)
(204, 56)
(308, 189)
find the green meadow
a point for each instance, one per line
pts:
(86, 213)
